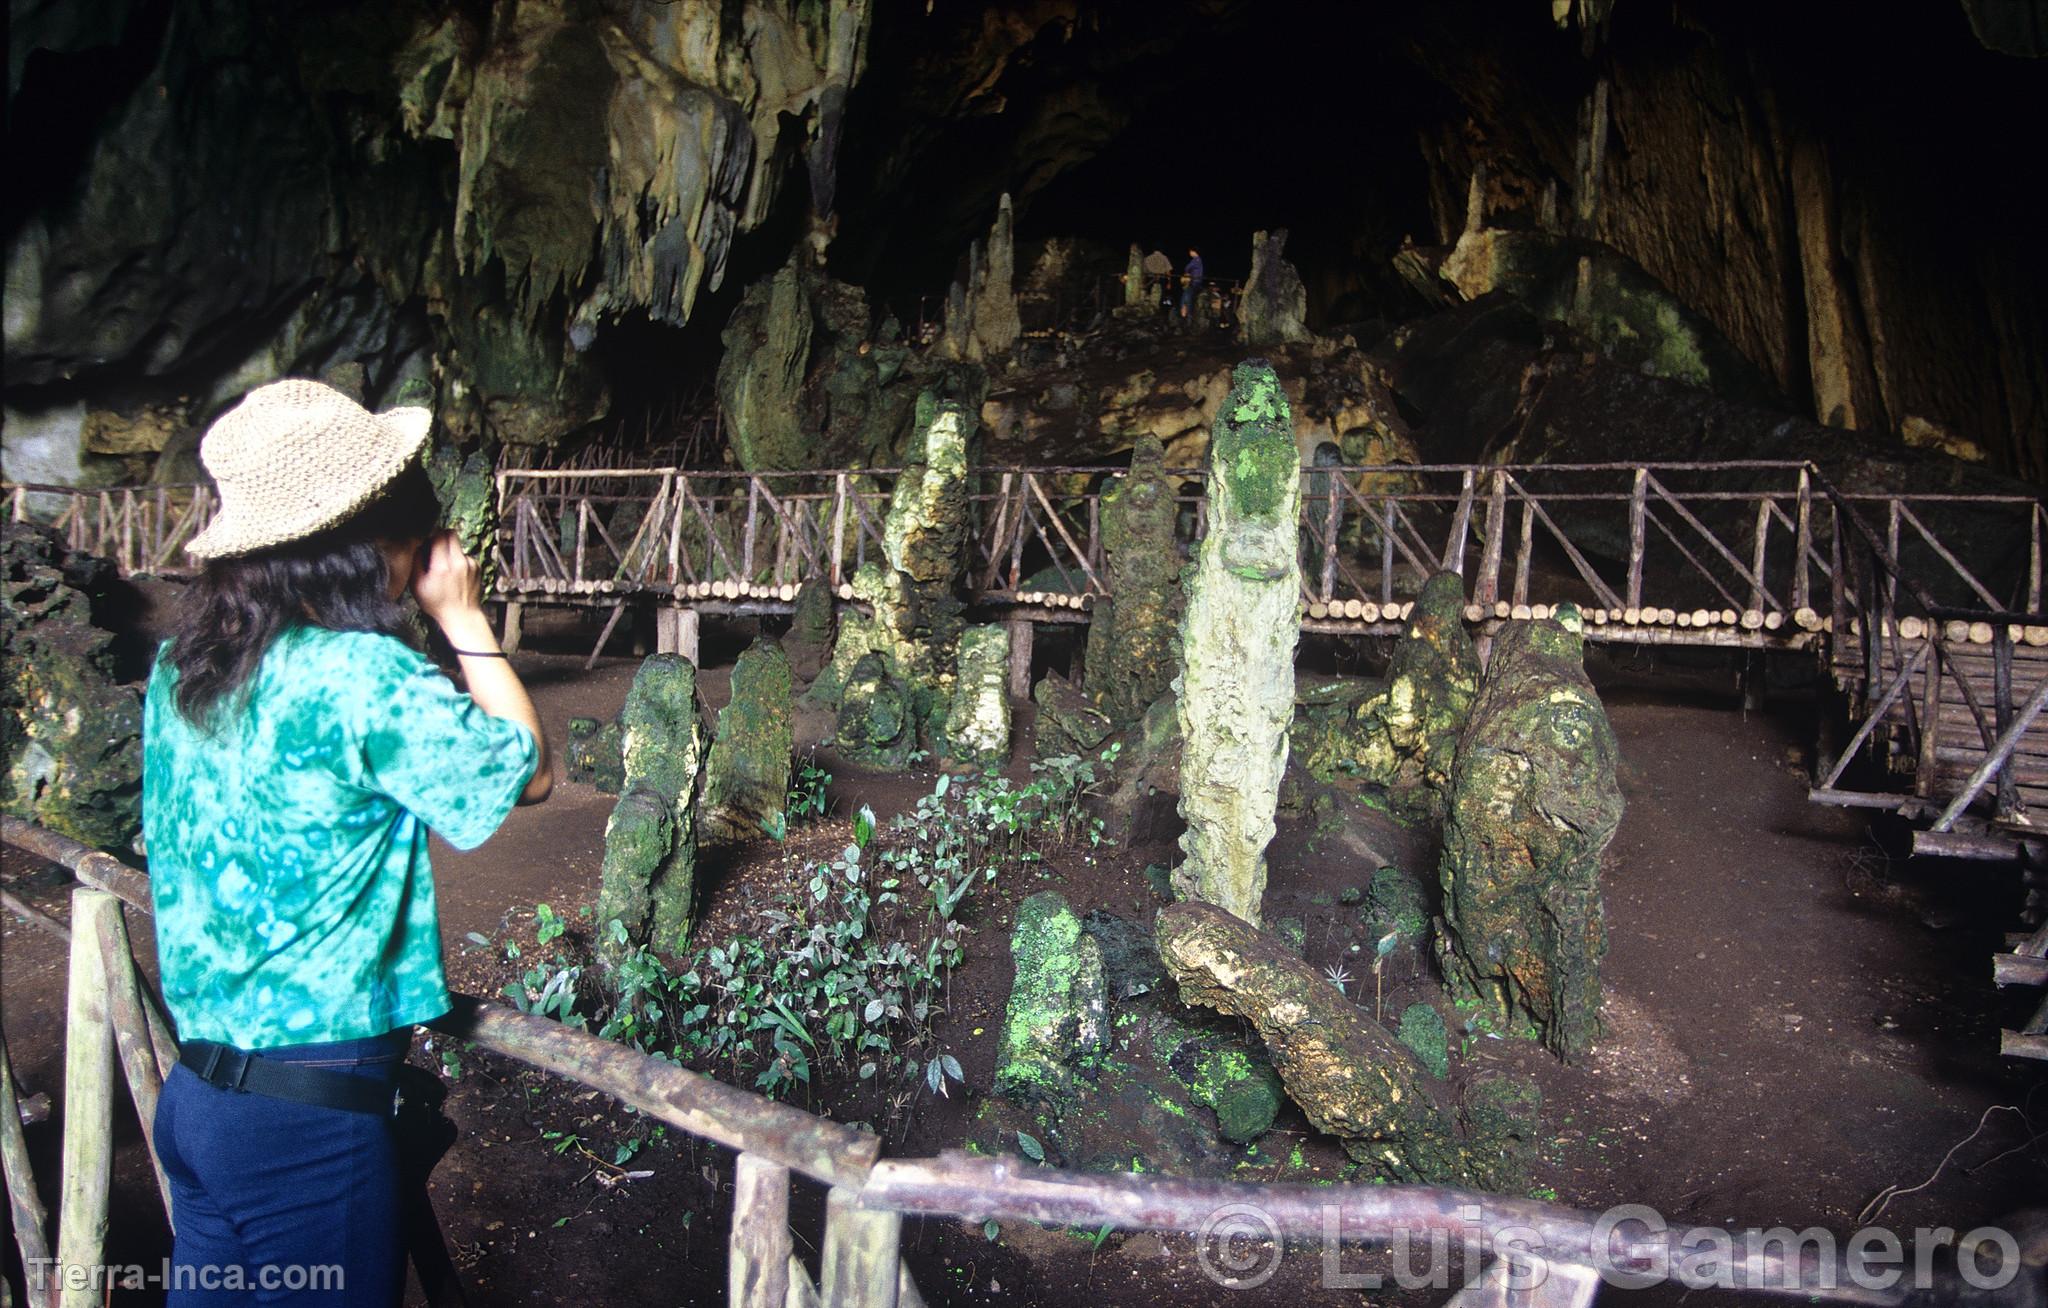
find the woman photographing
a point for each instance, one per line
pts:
(296, 751)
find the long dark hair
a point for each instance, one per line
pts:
(338, 579)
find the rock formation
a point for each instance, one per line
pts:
(877, 716)
(977, 724)
(989, 326)
(1132, 633)
(916, 612)
(1403, 737)
(1532, 804)
(746, 772)
(1068, 721)
(1349, 1076)
(1237, 641)
(1274, 310)
(593, 755)
(70, 734)
(650, 860)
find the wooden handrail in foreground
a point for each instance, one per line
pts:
(868, 1196)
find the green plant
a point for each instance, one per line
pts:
(807, 782)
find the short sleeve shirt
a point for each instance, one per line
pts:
(287, 838)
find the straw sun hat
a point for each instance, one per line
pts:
(295, 457)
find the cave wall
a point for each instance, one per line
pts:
(428, 199)
(1821, 188)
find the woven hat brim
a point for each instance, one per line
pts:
(235, 532)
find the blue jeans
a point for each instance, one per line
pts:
(283, 1203)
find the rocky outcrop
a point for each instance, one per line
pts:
(650, 862)
(1532, 805)
(70, 733)
(1133, 632)
(809, 379)
(746, 772)
(1237, 645)
(1349, 1076)
(1068, 721)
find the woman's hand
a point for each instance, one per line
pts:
(448, 584)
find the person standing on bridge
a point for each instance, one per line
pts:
(296, 750)
(1191, 282)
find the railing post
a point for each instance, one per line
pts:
(838, 529)
(1802, 544)
(1461, 525)
(1928, 762)
(1757, 553)
(1527, 546)
(2006, 804)
(1638, 523)
(24, 1204)
(860, 1258)
(757, 1274)
(582, 530)
(88, 1153)
(1891, 544)
(1386, 551)
(2033, 560)
(1487, 590)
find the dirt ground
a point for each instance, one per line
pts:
(1796, 1020)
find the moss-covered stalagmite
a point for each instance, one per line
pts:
(877, 717)
(916, 612)
(650, 865)
(1404, 737)
(1274, 310)
(1058, 1009)
(70, 735)
(977, 726)
(1237, 640)
(1131, 638)
(1349, 1076)
(594, 754)
(746, 773)
(1532, 804)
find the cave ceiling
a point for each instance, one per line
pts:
(544, 210)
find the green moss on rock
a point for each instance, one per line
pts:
(746, 773)
(1058, 1009)
(1423, 1031)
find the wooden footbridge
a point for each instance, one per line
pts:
(1925, 609)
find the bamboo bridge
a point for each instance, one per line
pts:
(1924, 609)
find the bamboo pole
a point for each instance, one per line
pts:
(86, 1178)
(1487, 589)
(860, 1264)
(757, 1274)
(132, 1033)
(25, 1205)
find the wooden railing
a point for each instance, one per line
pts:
(113, 1019)
(1729, 553)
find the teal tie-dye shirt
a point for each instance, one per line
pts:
(288, 846)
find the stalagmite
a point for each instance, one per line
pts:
(746, 772)
(650, 860)
(1532, 805)
(977, 726)
(1238, 639)
(1131, 641)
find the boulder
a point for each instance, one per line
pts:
(812, 626)
(977, 726)
(1532, 804)
(1238, 637)
(1133, 634)
(650, 885)
(1141, 800)
(1349, 1076)
(746, 773)
(70, 733)
(1068, 721)
(1058, 1011)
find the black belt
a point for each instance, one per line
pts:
(231, 1069)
